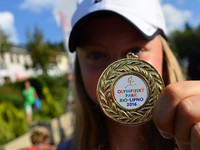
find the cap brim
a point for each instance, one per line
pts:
(141, 25)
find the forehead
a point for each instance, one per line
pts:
(111, 26)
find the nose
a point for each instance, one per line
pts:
(116, 56)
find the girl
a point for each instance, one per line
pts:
(105, 31)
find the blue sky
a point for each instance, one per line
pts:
(19, 16)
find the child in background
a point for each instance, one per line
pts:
(40, 139)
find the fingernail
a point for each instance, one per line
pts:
(165, 135)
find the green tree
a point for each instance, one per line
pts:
(58, 47)
(40, 51)
(5, 45)
(188, 26)
(197, 32)
(184, 41)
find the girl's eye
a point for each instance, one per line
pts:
(135, 50)
(95, 55)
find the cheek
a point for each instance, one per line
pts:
(156, 61)
(157, 56)
(90, 79)
(154, 57)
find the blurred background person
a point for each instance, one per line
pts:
(29, 93)
(40, 138)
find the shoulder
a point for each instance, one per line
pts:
(66, 145)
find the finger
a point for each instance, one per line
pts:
(195, 137)
(187, 115)
(165, 109)
(183, 146)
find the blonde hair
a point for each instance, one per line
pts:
(39, 135)
(172, 71)
(90, 127)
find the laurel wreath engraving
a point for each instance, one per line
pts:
(120, 68)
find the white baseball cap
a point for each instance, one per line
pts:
(145, 15)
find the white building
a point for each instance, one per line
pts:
(17, 65)
(60, 67)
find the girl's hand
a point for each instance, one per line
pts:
(177, 114)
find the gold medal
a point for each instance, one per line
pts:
(128, 89)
